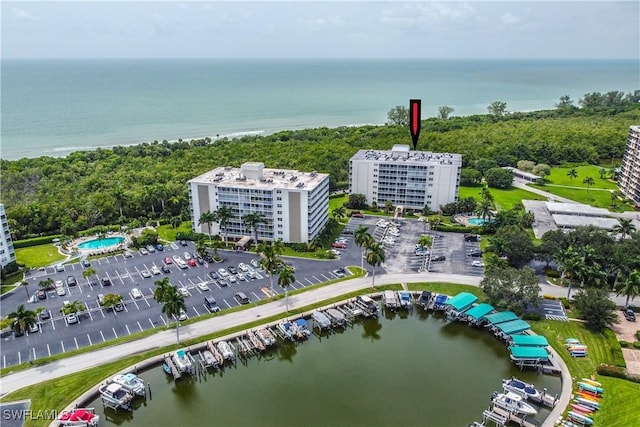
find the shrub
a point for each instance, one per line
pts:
(36, 241)
(531, 316)
(565, 303)
(616, 351)
(636, 344)
(611, 371)
(624, 344)
(550, 272)
(638, 335)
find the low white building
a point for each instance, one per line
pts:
(7, 253)
(295, 205)
(412, 179)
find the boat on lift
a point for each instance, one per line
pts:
(321, 320)
(302, 328)
(131, 382)
(85, 417)
(514, 403)
(226, 351)
(287, 330)
(521, 388)
(266, 337)
(115, 395)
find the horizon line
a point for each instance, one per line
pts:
(284, 58)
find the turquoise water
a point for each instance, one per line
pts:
(54, 107)
(477, 221)
(401, 370)
(101, 243)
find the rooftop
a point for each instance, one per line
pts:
(255, 175)
(575, 209)
(402, 153)
(573, 221)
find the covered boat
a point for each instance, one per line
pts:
(581, 418)
(226, 351)
(368, 305)
(321, 320)
(405, 299)
(79, 417)
(287, 330)
(182, 361)
(302, 328)
(115, 395)
(337, 317)
(209, 358)
(513, 403)
(520, 388)
(425, 298)
(132, 383)
(266, 337)
(391, 300)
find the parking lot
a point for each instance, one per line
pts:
(140, 311)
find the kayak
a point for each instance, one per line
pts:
(590, 388)
(589, 396)
(582, 409)
(580, 417)
(591, 382)
(586, 402)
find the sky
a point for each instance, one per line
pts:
(321, 29)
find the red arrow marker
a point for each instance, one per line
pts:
(414, 120)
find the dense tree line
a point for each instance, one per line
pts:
(129, 185)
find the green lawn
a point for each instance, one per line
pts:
(559, 177)
(504, 199)
(38, 256)
(597, 198)
(168, 233)
(336, 202)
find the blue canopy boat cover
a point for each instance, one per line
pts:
(462, 301)
(505, 316)
(441, 299)
(529, 340)
(513, 327)
(518, 352)
(479, 311)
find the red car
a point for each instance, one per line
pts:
(338, 245)
(192, 262)
(356, 214)
(168, 260)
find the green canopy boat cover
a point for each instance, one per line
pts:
(505, 316)
(513, 327)
(479, 311)
(462, 301)
(518, 352)
(529, 340)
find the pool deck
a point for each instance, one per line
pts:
(74, 244)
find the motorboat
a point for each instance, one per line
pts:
(131, 382)
(425, 298)
(287, 330)
(79, 417)
(391, 300)
(520, 388)
(369, 304)
(321, 320)
(209, 359)
(337, 317)
(182, 361)
(115, 395)
(266, 337)
(255, 341)
(226, 350)
(405, 299)
(302, 329)
(513, 403)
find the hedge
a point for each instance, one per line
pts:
(624, 344)
(638, 335)
(35, 241)
(617, 372)
(531, 316)
(616, 350)
(636, 344)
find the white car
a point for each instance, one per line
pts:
(255, 263)
(232, 278)
(187, 256)
(203, 286)
(143, 251)
(135, 292)
(59, 267)
(177, 259)
(72, 318)
(223, 272)
(184, 292)
(242, 277)
(477, 264)
(60, 291)
(244, 267)
(155, 270)
(382, 223)
(145, 274)
(334, 251)
(182, 315)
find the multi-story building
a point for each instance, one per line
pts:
(295, 205)
(629, 177)
(411, 179)
(7, 253)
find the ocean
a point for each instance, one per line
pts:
(55, 107)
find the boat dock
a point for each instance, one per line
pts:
(501, 417)
(391, 301)
(173, 369)
(216, 354)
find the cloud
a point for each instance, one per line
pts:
(510, 19)
(321, 22)
(421, 16)
(23, 15)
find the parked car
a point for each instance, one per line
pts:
(221, 282)
(475, 253)
(192, 262)
(155, 270)
(145, 273)
(222, 272)
(86, 263)
(213, 275)
(118, 307)
(241, 277)
(100, 299)
(143, 251)
(187, 256)
(477, 264)
(59, 267)
(42, 294)
(184, 243)
(242, 266)
(339, 272)
(211, 304)
(182, 265)
(165, 269)
(231, 269)
(255, 263)
(72, 318)
(629, 314)
(468, 237)
(242, 298)
(71, 281)
(232, 278)
(61, 291)
(135, 293)
(184, 292)
(438, 258)
(151, 249)
(127, 254)
(168, 260)
(106, 281)
(338, 245)
(356, 214)
(203, 286)
(182, 315)
(159, 247)
(34, 328)
(46, 314)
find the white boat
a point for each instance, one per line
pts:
(368, 304)
(209, 358)
(391, 300)
(266, 337)
(513, 403)
(287, 330)
(404, 298)
(182, 361)
(131, 382)
(226, 351)
(85, 417)
(337, 317)
(520, 388)
(301, 328)
(115, 395)
(321, 319)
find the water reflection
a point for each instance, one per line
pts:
(371, 327)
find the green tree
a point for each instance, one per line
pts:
(46, 284)
(595, 307)
(111, 300)
(630, 286)
(363, 239)
(398, 115)
(171, 300)
(499, 178)
(444, 112)
(269, 260)
(73, 307)
(285, 279)
(470, 176)
(625, 228)
(497, 108)
(252, 221)
(572, 174)
(516, 245)
(483, 165)
(542, 170)
(339, 213)
(375, 256)
(88, 272)
(22, 321)
(176, 221)
(356, 201)
(566, 103)
(511, 288)
(589, 181)
(208, 218)
(223, 215)
(388, 206)
(484, 210)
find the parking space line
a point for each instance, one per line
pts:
(48, 350)
(102, 312)
(34, 353)
(147, 301)
(163, 321)
(114, 332)
(19, 358)
(130, 275)
(300, 283)
(319, 281)
(136, 304)
(76, 341)
(102, 335)
(293, 287)
(89, 338)
(255, 295)
(88, 311)
(196, 310)
(53, 324)
(310, 282)
(4, 361)
(228, 305)
(140, 326)
(152, 325)
(325, 277)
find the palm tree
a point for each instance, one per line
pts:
(572, 174)
(425, 242)
(625, 228)
(589, 181)
(278, 246)
(172, 301)
(363, 239)
(339, 213)
(45, 284)
(208, 218)
(252, 221)
(388, 205)
(223, 215)
(375, 257)
(285, 279)
(88, 272)
(630, 286)
(268, 260)
(23, 320)
(25, 285)
(485, 210)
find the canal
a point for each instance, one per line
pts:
(399, 370)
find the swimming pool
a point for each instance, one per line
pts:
(477, 221)
(101, 243)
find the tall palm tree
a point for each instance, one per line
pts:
(589, 181)
(388, 205)
(485, 210)
(223, 215)
(285, 279)
(278, 246)
(252, 221)
(172, 301)
(363, 239)
(45, 284)
(375, 257)
(425, 242)
(23, 320)
(630, 286)
(625, 228)
(268, 260)
(339, 213)
(572, 174)
(208, 218)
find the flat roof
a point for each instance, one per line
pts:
(504, 316)
(513, 327)
(522, 173)
(415, 157)
(271, 178)
(520, 352)
(529, 340)
(462, 301)
(479, 311)
(572, 221)
(575, 209)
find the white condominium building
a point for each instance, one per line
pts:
(629, 178)
(295, 205)
(412, 179)
(7, 253)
